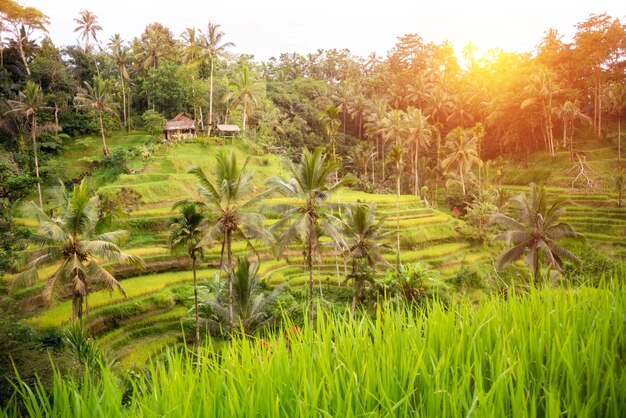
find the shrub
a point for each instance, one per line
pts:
(153, 123)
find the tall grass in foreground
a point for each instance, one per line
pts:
(550, 353)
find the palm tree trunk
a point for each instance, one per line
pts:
(201, 118)
(124, 101)
(211, 99)
(619, 137)
(462, 179)
(231, 299)
(398, 223)
(373, 169)
(128, 124)
(416, 168)
(104, 142)
(310, 265)
(571, 143)
(33, 136)
(382, 149)
(86, 299)
(20, 48)
(195, 300)
(73, 310)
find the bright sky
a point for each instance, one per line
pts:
(266, 28)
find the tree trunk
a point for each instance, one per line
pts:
(231, 299)
(416, 165)
(398, 222)
(211, 99)
(355, 287)
(382, 149)
(56, 115)
(128, 123)
(310, 265)
(462, 179)
(73, 310)
(20, 48)
(195, 301)
(86, 298)
(104, 142)
(619, 136)
(571, 143)
(33, 136)
(124, 101)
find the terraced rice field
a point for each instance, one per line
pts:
(153, 316)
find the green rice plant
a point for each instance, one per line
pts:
(135, 287)
(544, 353)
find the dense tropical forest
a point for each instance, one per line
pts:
(430, 232)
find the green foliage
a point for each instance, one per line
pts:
(478, 225)
(14, 186)
(85, 349)
(414, 284)
(115, 164)
(468, 278)
(399, 363)
(165, 89)
(254, 308)
(526, 176)
(153, 123)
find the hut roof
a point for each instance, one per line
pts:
(228, 128)
(180, 121)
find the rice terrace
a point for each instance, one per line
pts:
(221, 220)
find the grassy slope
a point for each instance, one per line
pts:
(430, 234)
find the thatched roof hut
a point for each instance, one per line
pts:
(227, 131)
(181, 124)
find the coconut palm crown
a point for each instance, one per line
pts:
(535, 232)
(75, 241)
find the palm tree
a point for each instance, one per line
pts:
(540, 94)
(395, 129)
(188, 229)
(225, 200)
(439, 104)
(97, 97)
(310, 186)
(214, 47)
(245, 92)
(375, 127)
(569, 112)
(331, 122)
(363, 235)
(87, 26)
(419, 132)
(360, 157)
(615, 96)
(154, 48)
(75, 241)
(119, 53)
(252, 307)
(190, 55)
(30, 104)
(535, 231)
(463, 153)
